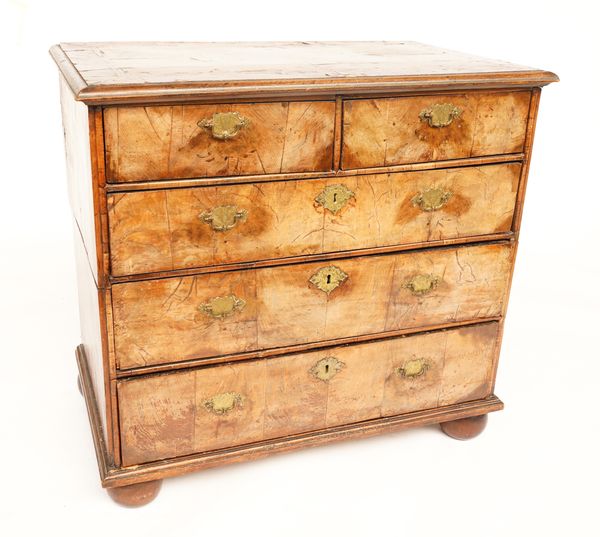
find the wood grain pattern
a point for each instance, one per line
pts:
(80, 183)
(106, 462)
(166, 416)
(166, 142)
(87, 199)
(243, 179)
(91, 324)
(117, 476)
(528, 146)
(162, 230)
(162, 72)
(200, 347)
(283, 308)
(290, 349)
(327, 257)
(382, 132)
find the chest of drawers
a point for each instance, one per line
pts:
(281, 245)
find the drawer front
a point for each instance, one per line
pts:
(145, 143)
(195, 227)
(176, 319)
(384, 132)
(217, 407)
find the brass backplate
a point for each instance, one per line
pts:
(223, 403)
(431, 199)
(224, 125)
(334, 197)
(224, 217)
(327, 368)
(220, 307)
(422, 284)
(328, 278)
(413, 368)
(440, 115)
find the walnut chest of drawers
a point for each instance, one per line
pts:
(285, 244)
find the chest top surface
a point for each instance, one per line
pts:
(130, 71)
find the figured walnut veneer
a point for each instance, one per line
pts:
(279, 397)
(282, 307)
(160, 230)
(383, 132)
(281, 245)
(162, 142)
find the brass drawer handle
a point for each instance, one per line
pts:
(220, 307)
(223, 403)
(224, 125)
(329, 278)
(422, 284)
(440, 115)
(431, 199)
(334, 197)
(224, 217)
(413, 368)
(327, 368)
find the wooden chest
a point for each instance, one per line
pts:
(285, 244)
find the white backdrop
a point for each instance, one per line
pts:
(535, 469)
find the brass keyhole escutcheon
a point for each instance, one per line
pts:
(224, 125)
(224, 217)
(327, 368)
(223, 403)
(220, 307)
(413, 368)
(328, 278)
(334, 197)
(440, 115)
(422, 284)
(431, 199)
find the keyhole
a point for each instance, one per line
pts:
(328, 278)
(326, 368)
(334, 197)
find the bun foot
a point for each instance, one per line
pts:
(79, 387)
(135, 495)
(465, 428)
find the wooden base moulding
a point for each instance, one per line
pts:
(126, 487)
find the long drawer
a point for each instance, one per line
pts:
(384, 132)
(176, 319)
(195, 227)
(146, 143)
(180, 413)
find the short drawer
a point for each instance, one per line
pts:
(146, 143)
(196, 227)
(176, 319)
(181, 413)
(384, 132)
